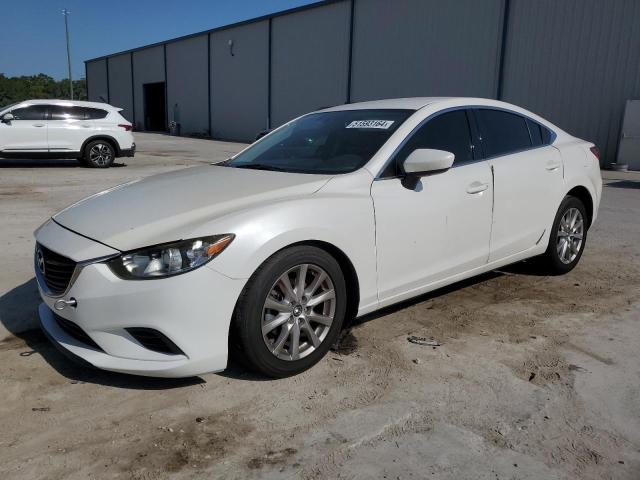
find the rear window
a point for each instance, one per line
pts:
(540, 135)
(96, 113)
(502, 132)
(536, 133)
(61, 112)
(70, 112)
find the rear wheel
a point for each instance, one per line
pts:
(568, 237)
(99, 154)
(290, 312)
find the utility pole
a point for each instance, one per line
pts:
(66, 13)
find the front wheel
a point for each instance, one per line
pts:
(568, 237)
(290, 312)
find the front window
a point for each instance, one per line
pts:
(324, 143)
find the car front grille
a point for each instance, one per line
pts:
(76, 332)
(56, 270)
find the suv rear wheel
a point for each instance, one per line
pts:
(99, 154)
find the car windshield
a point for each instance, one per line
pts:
(7, 107)
(323, 143)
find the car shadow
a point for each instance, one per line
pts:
(633, 184)
(46, 163)
(18, 308)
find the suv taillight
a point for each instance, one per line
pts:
(596, 151)
(127, 127)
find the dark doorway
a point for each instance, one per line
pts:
(155, 108)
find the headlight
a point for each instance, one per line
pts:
(169, 258)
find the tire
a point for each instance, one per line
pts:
(82, 161)
(562, 257)
(274, 353)
(99, 154)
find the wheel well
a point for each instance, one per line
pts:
(111, 141)
(583, 194)
(350, 275)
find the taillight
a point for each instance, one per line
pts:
(596, 151)
(126, 126)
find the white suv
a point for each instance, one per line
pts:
(94, 133)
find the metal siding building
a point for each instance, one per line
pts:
(120, 85)
(188, 83)
(575, 62)
(239, 82)
(425, 48)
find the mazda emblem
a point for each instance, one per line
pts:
(40, 260)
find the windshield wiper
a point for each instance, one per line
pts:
(261, 166)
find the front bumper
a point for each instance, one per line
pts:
(192, 310)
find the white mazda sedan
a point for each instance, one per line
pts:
(333, 215)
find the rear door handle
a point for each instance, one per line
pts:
(551, 166)
(477, 187)
(38, 124)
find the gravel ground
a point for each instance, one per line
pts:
(536, 377)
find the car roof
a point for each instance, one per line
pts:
(409, 103)
(416, 103)
(66, 103)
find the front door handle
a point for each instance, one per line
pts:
(477, 187)
(38, 124)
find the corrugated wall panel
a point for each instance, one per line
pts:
(239, 81)
(97, 81)
(120, 93)
(409, 48)
(187, 87)
(309, 60)
(148, 67)
(575, 62)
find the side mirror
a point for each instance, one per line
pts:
(7, 117)
(423, 161)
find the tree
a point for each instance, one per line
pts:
(18, 89)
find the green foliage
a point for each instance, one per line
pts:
(17, 89)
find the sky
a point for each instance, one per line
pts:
(32, 37)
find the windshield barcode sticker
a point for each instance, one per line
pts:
(382, 124)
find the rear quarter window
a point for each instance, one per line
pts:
(502, 132)
(96, 113)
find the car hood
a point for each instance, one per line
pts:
(167, 207)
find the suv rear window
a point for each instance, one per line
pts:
(60, 112)
(96, 113)
(502, 132)
(63, 112)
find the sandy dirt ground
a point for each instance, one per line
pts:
(536, 377)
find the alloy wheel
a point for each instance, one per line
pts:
(570, 235)
(298, 312)
(100, 154)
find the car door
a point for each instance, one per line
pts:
(442, 227)
(528, 178)
(69, 127)
(27, 132)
